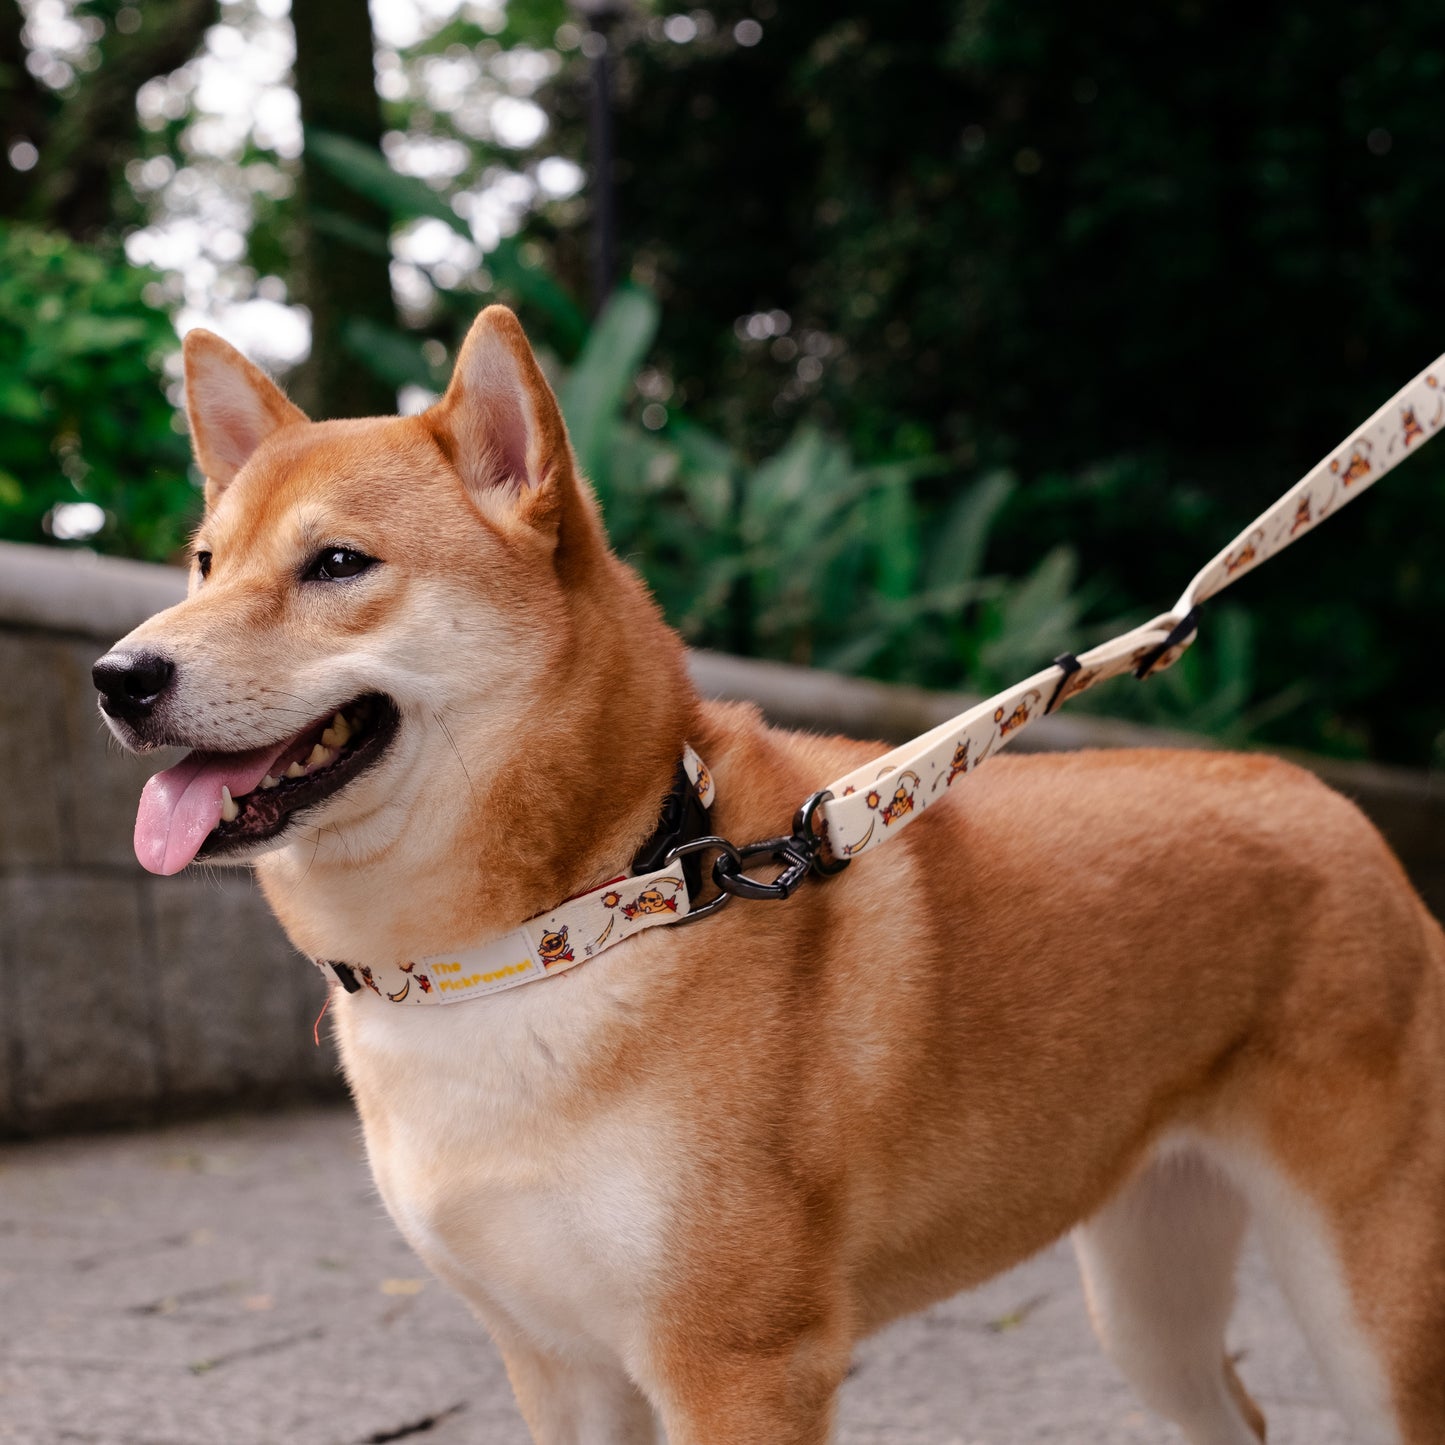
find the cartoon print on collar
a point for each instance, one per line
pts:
(703, 781)
(552, 948)
(422, 982)
(650, 900)
(1016, 719)
(1248, 553)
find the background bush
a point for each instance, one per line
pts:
(1154, 261)
(83, 417)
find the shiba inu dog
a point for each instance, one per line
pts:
(1140, 996)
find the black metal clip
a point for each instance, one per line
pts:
(729, 875)
(815, 842)
(800, 853)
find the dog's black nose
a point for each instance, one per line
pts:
(131, 683)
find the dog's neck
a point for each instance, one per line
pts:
(521, 823)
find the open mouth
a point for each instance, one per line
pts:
(214, 803)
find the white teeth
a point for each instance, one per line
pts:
(269, 782)
(229, 811)
(320, 756)
(295, 771)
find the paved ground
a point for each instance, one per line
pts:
(236, 1283)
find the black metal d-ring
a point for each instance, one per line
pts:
(815, 842)
(701, 845)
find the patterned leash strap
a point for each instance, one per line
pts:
(873, 803)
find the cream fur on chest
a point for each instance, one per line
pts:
(548, 1215)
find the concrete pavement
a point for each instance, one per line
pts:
(236, 1282)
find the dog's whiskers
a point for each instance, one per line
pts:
(310, 862)
(461, 762)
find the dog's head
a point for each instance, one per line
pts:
(370, 603)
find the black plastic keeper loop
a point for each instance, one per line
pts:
(1185, 627)
(1070, 665)
(346, 976)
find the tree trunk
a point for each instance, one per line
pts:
(340, 278)
(85, 142)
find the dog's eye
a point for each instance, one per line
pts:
(332, 564)
(203, 562)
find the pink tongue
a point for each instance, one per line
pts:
(181, 805)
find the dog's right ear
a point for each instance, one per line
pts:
(232, 405)
(501, 427)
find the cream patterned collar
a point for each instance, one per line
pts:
(549, 944)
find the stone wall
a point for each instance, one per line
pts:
(129, 997)
(126, 996)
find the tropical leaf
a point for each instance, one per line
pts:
(604, 372)
(895, 536)
(367, 172)
(394, 356)
(957, 555)
(1034, 619)
(341, 227)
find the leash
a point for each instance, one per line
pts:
(876, 801)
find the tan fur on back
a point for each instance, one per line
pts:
(685, 1178)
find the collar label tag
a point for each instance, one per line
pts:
(473, 975)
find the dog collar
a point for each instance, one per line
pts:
(656, 890)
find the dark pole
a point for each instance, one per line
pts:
(604, 199)
(602, 17)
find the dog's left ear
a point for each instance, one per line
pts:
(232, 406)
(500, 424)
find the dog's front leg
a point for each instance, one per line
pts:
(567, 1402)
(785, 1397)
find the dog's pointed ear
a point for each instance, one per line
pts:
(501, 426)
(232, 405)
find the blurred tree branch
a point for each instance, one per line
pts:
(344, 270)
(23, 104)
(85, 139)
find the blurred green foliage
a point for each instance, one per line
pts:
(809, 556)
(83, 413)
(981, 327)
(1151, 260)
